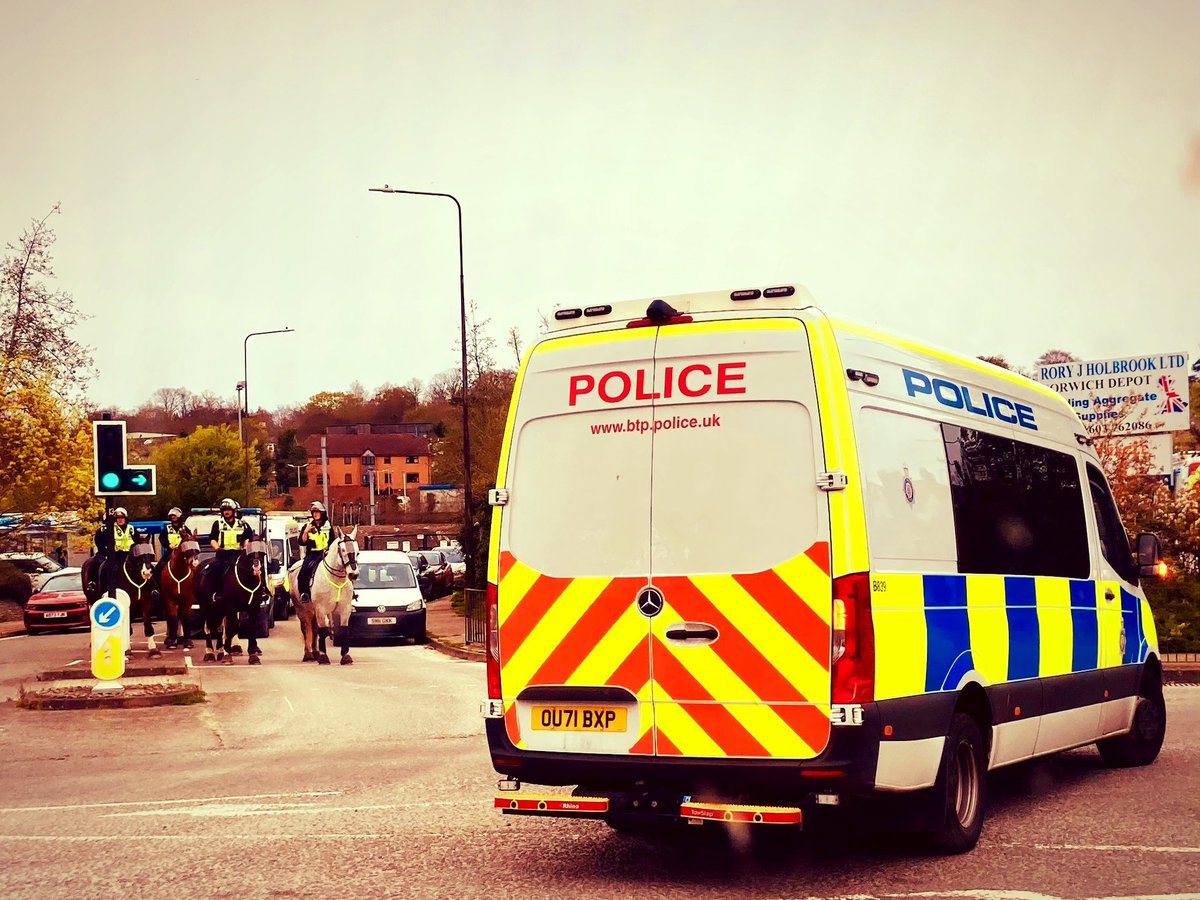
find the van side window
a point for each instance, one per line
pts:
(1114, 542)
(1018, 508)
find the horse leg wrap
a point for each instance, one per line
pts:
(341, 635)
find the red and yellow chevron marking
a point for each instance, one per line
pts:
(760, 690)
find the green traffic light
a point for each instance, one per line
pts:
(110, 481)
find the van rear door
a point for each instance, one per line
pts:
(575, 547)
(740, 652)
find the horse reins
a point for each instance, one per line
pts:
(344, 574)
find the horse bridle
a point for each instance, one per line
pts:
(187, 549)
(341, 559)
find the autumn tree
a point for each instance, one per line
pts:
(45, 440)
(1053, 357)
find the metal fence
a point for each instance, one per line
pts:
(476, 617)
(1181, 657)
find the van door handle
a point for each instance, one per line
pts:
(692, 632)
(1109, 595)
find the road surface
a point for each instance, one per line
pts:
(295, 780)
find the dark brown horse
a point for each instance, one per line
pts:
(234, 605)
(177, 580)
(134, 576)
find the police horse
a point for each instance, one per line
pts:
(234, 605)
(134, 576)
(177, 582)
(332, 593)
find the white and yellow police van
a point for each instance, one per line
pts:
(747, 560)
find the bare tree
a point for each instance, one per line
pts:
(35, 321)
(480, 344)
(514, 341)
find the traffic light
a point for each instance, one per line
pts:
(113, 475)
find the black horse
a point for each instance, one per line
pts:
(134, 576)
(233, 605)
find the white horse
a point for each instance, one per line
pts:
(332, 591)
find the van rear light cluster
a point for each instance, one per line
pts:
(853, 672)
(493, 642)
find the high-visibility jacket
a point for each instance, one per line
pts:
(230, 533)
(173, 535)
(122, 538)
(319, 537)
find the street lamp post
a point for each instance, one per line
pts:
(297, 467)
(246, 400)
(468, 516)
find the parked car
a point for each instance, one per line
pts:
(59, 605)
(388, 601)
(433, 572)
(458, 564)
(38, 566)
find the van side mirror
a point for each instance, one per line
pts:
(1149, 555)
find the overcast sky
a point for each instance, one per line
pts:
(994, 177)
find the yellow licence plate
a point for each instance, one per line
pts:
(579, 718)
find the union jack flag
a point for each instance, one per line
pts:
(1172, 402)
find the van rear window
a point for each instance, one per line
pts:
(580, 500)
(737, 496)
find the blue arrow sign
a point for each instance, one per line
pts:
(106, 613)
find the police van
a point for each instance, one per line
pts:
(748, 562)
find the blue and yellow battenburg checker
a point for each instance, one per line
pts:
(933, 630)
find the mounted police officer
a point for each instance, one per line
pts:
(113, 543)
(170, 535)
(228, 535)
(316, 538)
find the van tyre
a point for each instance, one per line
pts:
(961, 787)
(1141, 745)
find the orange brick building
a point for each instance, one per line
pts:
(400, 463)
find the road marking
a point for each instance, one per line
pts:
(984, 894)
(1108, 848)
(233, 810)
(289, 703)
(192, 838)
(120, 803)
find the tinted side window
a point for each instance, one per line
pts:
(1018, 509)
(1114, 542)
(1054, 512)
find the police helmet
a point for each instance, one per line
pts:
(120, 511)
(175, 511)
(229, 504)
(317, 506)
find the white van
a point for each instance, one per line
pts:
(387, 599)
(747, 560)
(283, 549)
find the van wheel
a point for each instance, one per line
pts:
(1141, 745)
(962, 787)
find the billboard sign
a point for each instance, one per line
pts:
(1128, 396)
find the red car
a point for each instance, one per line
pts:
(59, 605)
(433, 572)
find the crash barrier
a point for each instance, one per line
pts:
(476, 616)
